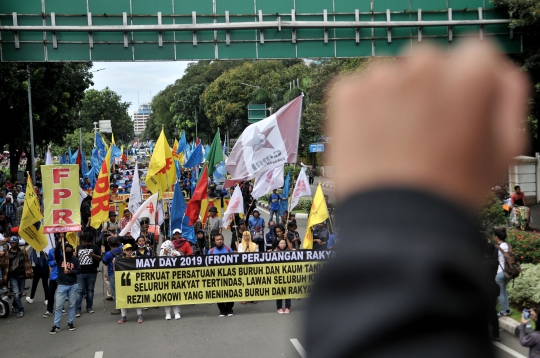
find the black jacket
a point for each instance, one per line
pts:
(411, 259)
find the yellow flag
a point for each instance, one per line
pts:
(318, 214)
(102, 193)
(73, 239)
(30, 228)
(161, 172)
(174, 153)
(112, 139)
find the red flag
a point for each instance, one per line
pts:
(197, 142)
(201, 192)
(79, 159)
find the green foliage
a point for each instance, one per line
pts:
(72, 140)
(304, 204)
(294, 170)
(107, 105)
(526, 18)
(57, 90)
(491, 215)
(525, 244)
(524, 291)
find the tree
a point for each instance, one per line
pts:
(72, 140)
(107, 105)
(54, 107)
(526, 18)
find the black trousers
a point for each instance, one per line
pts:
(225, 307)
(50, 296)
(311, 180)
(279, 303)
(494, 323)
(44, 277)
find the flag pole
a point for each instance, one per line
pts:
(288, 198)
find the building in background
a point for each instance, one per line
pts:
(140, 117)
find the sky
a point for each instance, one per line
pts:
(137, 82)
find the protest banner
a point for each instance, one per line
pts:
(171, 281)
(61, 198)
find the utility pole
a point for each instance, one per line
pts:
(32, 157)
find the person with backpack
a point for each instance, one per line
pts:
(531, 340)
(225, 308)
(500, 278)
(256, 226)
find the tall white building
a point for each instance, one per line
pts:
(140, 117)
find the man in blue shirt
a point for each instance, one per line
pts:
(256, 226)
(275, 201)
(108, 259)
(225, 308)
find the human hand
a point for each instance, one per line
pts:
(66, 271)
(444, 124)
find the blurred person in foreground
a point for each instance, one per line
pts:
(431, 132)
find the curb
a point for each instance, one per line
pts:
(329, 186)
(509, 325)
(298, 216)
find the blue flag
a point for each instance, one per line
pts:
(182, 146)
(69, 156)
(63, 159)
(219, 173)
(206, 151)
(73, 158)
(178, 218)
(286, 188)
(195, 158)
(96, 166)
(115, 152)
(102, 149)
(84, 164)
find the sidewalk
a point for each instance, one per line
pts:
(325, 182)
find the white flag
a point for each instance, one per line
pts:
(268, 181)
(236, 206)
(301, 188)
(267, 144)
(135, 196)
(82, 195)
(48, 158)
(146, 210)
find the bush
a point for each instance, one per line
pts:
(304, 204)
(491, 215)
(294, 172)
(526, 245)
(524, 291)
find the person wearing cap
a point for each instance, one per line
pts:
(111, 225)
(68, 269)
(89, 258)
(256, 227)
(128, 253)
(237, 233)
(116, 250)
(180, 243)
(20, 268)
(213, 221)
(9, 208)
(167, 249)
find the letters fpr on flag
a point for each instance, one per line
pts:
(161, 171)
(267, 144)
(30, 226)
(61, 198)
(301, 188)
(102, 194)
(236, 206)
(318, 214)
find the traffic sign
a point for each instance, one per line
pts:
(316, 148)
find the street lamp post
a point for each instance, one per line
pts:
(32, 157)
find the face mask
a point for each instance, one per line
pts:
(69, 255)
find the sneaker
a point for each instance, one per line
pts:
(140, 319)
(109, 299)
(122, 320)
(287, 310)
(230, 313)
(501, 314)
(77, 314)
(145, 309)
(64, 312)
(280, 311)
(54, 330)
(221, 314)
(508, 312)
(71, 327)
(29, 300)
(20, 314)
(115, 312)
(45, 302)
(47, 314)
(168, 316)
(90, 310)
(177, 316)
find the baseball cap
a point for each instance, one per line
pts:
(127, 246)
(177, 231)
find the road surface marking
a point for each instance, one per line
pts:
(299, 347)
(506, 349)
(264, 210)
(98, 355)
